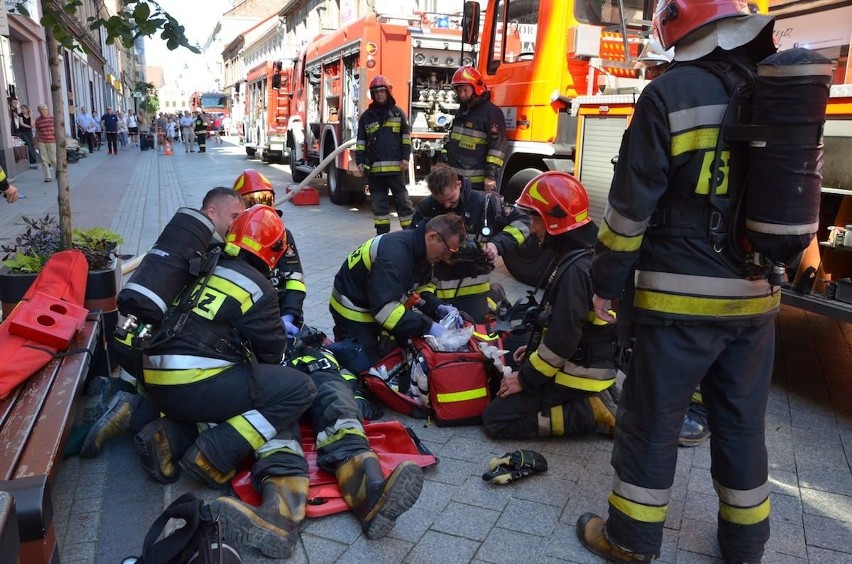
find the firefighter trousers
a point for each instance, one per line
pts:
(376, 342)
(517, 416)
(336, 420)
(380, 186)
(734, 366)
(257, 408)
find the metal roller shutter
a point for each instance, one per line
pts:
(600, 143)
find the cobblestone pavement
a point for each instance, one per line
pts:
(105, 505)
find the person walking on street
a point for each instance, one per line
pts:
(697, 319)
(382, 151)
(476, 147)
(25, 132)
(46, 138)
(8, 190)
(109, 123)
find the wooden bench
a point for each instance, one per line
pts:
(35, 420)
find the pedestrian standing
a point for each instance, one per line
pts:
(122, 129)
(200, 124)
(86, 128)
(186, 130)
(133, 128)
(46, 138)
(25, 132)
(697, 320)
(382, 151)
(109, 124)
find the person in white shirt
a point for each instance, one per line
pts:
(86, 128)
(186, 130)
(133, 128)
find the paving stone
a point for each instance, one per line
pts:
(699, 537)
(785, 509)
(382, 551)
(829, 474)
(701, 481)
(770, 557)
(544, 489)
(509, 547)
(466, 521)
(321, 551)
(825, 504)
(528, 517)
(826, 533)
(413, 524)
(816, 554)
(564, 545)
(479, 493)
(435, 496)
(444, 548)
(784, 483)
(78, 552)
(340, 527)
(787, 538)
(82, 527)
(700, 506)
(454, 472)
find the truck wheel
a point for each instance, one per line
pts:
(250, 151)
(296, 175)
(528, 263)
(336, 189)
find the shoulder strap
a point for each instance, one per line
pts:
(560, 265)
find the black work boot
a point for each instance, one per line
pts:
(604, 407)
(197, 465)
(160, 445)
(591, 531)
(378, 502)
(114, 423)
(273, 528)
(695, 429)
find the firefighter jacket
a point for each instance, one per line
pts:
(288, 278)
(237, 312)
(577, 348)
(660, 185)
(378, 278)
(200, 124)
(477, 144)
(479, 209)
(383, 139)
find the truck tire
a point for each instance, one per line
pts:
(528, 263)
(337, 192)
(296, 175)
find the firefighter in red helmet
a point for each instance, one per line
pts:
(221, 364)
(477, 142)
(288, 275)
(697, 319)
(566, 377)
(382, 152)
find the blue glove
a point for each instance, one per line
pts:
(437, 330)
(289, 327)
(445, 309)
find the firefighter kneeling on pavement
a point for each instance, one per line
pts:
(566, 381)
(223, 366)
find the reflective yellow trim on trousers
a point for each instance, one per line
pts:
(697, 139)
(178, 377)
(466, 395)
(350, 314)
(619, 243)
(296, 285)
(247, 431)
(341, 434)
(557, 421)
(580, 383)
(744, 515)
(637, 511)
(464, 291)
(541, 365)
(702, 306)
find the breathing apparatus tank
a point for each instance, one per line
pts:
(785, 153)
(173, 262)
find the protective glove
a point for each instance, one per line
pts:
(437, 330)
(445, 309)
(514, 466)
(289, 327)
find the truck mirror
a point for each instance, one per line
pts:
(470, 23)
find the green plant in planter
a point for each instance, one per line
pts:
(41, 240)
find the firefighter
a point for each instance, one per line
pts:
(382, 151)
(698, 321)
(342, 450)
(565, 385)
(200, 127)
(223, 366)
(288, 275)
(477, 142)
(491, 232)
(376, 285)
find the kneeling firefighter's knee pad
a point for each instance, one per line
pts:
(160, 445)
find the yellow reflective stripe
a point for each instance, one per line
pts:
(279, 445)
(616, 242)
(232, 290)
(430, 287)
(296, 285)
(475, 289)
(360, 147)
(394, 316)
(698, 139)
(486, 336)
(706, 306)
(557, 421)
(581, 383)
(744, 515)
(697, 397)
(247, 431)
(494, 160)
(637, 511)
(466, 395)
(541, 365)
(622, 225)
(340, 434)
(178, 377)
(384, 220)
(515, 233)
(350, 314)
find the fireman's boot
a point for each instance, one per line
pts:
(604, 406)
(114, 423)
(591, 531)
(378, 502)
(273, 528)
(196, 464)
(160, 444)
(695, 429)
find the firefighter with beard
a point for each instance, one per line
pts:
(382, 152)
(697, 318)
(223, 366)
(287, 276)
(566, 381)
(465, 283)
(477, 142)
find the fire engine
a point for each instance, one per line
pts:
(418, 55)
(268, 94)
(213, 103)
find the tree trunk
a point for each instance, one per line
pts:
(61, 172)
